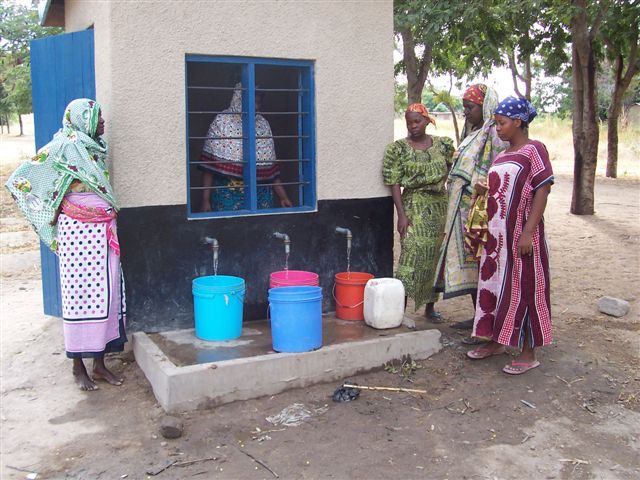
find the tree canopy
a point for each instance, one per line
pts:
(18, 26)
(570, 41)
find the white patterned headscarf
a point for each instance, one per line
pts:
(224, 140)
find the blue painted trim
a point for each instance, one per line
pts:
(246, 60)
(306, 129)
(186, 135)
(62, 69)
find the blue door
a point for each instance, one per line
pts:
(62, 69)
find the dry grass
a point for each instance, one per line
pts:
(556, 134)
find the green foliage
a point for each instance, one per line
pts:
(18, 26)
(441, 107)
(400, 98)
(427, 100)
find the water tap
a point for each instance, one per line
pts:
(347, 232)
(214, 246)
(287, 241)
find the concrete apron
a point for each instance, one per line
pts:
(190, 374)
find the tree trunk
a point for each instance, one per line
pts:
(416, 71)
(455, 123)
(620, 85)
(585, 121)
(6, 118)
(516, 75)
(612, 130)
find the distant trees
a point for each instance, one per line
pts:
(558, 37)
(18, 26)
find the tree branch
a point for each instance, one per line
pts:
(597, 23)
(514, 71)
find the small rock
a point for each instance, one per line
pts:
(171, 427)
(615, 307)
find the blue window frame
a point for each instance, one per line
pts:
(286, 92)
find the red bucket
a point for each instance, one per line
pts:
(293, 278)
(349, 294)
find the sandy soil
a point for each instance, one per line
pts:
(580, 419)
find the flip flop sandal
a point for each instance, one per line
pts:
(483, 352)
(435, 317)
(518, 368)
(474, 341)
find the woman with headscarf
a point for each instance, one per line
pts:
(223, 170)
(457, 268)
(65, 194)
(514, 305)
(416, 169)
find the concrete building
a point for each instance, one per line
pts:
(163, 69)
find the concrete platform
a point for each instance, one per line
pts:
(189, 374)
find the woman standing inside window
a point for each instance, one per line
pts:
(224, 159)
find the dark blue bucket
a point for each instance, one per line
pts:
(296, 318)
(218, 305)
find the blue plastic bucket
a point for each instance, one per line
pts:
(218, 303)
(296, 318)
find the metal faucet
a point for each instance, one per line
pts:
(215, 247)
(287, 241)
(347, 232)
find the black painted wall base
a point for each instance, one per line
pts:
(162, 252)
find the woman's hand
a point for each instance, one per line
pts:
(403, 225)
(205, 205)
(282, 193)
(481, 187)
(525, 244)
(285, 202)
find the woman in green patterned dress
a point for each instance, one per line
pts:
(416, 169)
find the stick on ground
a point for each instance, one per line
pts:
(389, 389)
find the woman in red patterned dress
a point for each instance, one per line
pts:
(513, 307)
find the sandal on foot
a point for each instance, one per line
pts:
(474, 341)
(518, 368)
(435, 317)
(484, 352)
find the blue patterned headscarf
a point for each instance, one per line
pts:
(517, 107)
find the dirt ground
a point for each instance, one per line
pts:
(575, 417)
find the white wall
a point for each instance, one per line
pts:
(140, 76)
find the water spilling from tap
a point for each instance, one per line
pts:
(214, 247)
(287, 249)
(347, 232)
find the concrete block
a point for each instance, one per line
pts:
(206, 385)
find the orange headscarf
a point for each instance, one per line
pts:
(422, 110)
(475, 93)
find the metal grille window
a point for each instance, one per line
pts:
(242, 167)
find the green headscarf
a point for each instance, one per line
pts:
(478, 148)
(39, 185)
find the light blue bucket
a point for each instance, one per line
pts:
(218, 303)
(296, 318)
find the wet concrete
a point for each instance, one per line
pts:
(183, 348)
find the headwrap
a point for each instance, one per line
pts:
(422, 110)
(479, 147)
(517, 108)
(224, 142)
(475, 93)
(39, 185)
